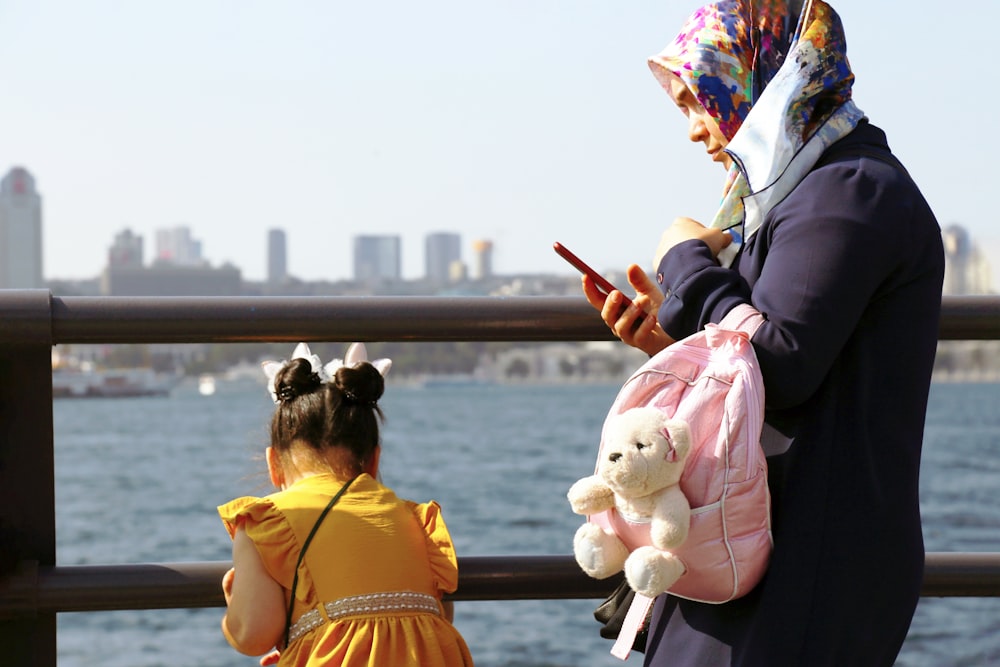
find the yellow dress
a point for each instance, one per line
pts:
(377, 566)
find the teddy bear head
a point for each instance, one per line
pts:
(643, 451)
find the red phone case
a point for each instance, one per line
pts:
(585, 269)
(602, 283)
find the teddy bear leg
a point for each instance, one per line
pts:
(599, 554)
(651, 572)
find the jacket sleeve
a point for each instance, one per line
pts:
(821, 256)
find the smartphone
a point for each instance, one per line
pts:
(602, 283)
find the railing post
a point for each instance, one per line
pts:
(27, 478)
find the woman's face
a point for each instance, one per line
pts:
(701, 126)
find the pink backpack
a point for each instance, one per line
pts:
(712, 381)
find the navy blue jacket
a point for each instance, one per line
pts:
(847, 271)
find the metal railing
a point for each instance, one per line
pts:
(33, 588)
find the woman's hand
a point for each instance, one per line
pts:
(685, 229)
(636, 325)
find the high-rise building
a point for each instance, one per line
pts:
(441, 250)
(483, 267)
(277, 256)
(377, 259)
(175, 246)
(20, 231)
(126, 250)
(126, 275)
(966, 269)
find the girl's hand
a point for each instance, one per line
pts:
(685, 229)
(271, 658)
(227, 584)
(636, 325)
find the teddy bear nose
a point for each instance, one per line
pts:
(614, 457)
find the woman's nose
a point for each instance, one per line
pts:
(696, 128)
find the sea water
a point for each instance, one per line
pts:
(138, 481)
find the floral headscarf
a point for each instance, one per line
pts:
(780, 90)
(713, 57)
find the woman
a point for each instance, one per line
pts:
(824, 233)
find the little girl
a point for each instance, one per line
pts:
(334, 569)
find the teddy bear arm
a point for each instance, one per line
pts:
(671, 519)
(591, 495)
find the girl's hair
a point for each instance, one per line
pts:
(341, 413)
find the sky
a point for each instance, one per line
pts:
(519, 121)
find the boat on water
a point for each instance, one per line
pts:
(112, 383)
(206, 384)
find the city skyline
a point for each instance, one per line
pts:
(521, 122)
(376, 259)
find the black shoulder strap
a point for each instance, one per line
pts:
(302, 553)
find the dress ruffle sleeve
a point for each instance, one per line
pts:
(270, 532)
(440, 548)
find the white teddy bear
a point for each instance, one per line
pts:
(637, 474)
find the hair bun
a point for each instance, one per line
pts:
(361, 384)
(296, 379)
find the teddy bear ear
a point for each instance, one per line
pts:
(671, 455)
(678, 436)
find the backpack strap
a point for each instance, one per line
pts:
(638, 611)
(744, 318)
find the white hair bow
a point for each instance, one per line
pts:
(356, 354)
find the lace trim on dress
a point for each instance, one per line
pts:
(372, 603)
